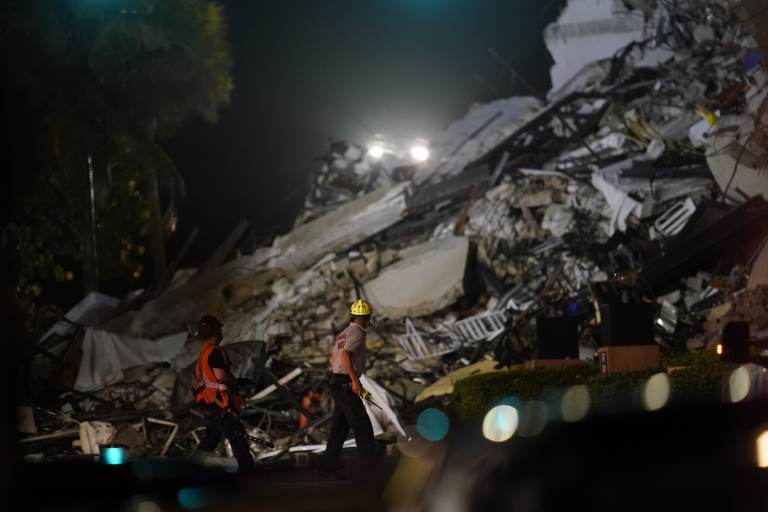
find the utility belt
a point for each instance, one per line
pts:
(343, 381)
(213, 412)
(340, 380)
(224, 403)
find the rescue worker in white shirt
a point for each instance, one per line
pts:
(347, 366)
(216, 395)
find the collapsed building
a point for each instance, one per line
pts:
(636, 190)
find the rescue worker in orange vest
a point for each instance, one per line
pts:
(347, 365)
(216, 395)
(312, 403)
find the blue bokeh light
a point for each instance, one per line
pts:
(113, 455)
(193, 498)
(433, 424)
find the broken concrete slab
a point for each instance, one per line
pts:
(427, 278)
(176, 308)
(340, 229)
(482, 128)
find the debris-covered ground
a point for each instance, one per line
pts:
(640, 181)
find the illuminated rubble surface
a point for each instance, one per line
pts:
(640, 179)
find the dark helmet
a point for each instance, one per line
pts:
(208, 327)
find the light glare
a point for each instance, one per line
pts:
(656, 392)
(575, 404)
(433, 424)
(420, 153)
(412, 444)
(376, 151)
(148, 506)
(739, 384)
(762, 450)
(500, 423)
(113, 456)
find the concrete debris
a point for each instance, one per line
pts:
(641, 181)
(94, 309)
(588, 31)
(342, 228)
(94, 435)
(427, 278)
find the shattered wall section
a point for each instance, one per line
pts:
(587, 31)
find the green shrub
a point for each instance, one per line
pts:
(701, 379)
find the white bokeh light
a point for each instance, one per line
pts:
(656, 392)
(500, 423)
(739, 384)
(762, 450)
(420, 153)
(376, 151)
(575, 404)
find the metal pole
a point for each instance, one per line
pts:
(94, 251)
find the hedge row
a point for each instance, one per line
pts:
(700, 378)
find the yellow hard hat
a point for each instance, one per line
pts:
(361, 308)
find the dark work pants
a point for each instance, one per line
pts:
(348, 412)
(218, 422)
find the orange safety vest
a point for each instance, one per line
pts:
(309, 402)
(208, 388)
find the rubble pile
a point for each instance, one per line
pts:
(640, 180)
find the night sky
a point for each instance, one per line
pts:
(309, 70)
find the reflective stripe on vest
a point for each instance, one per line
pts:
(213, 385)
(211, 390)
